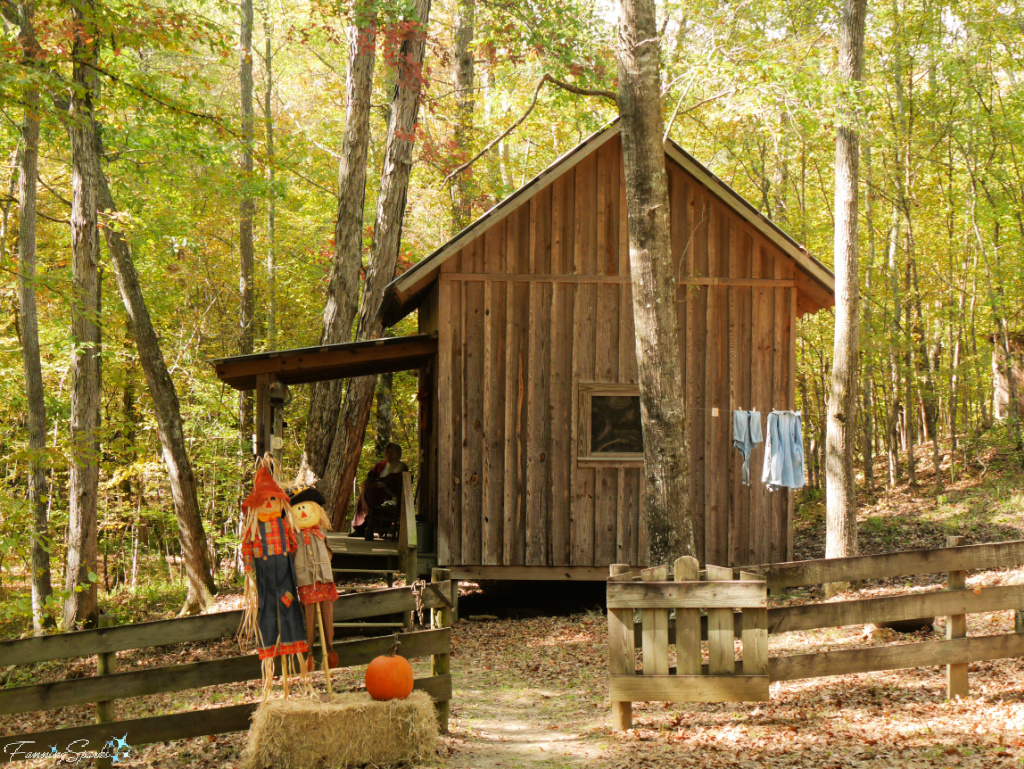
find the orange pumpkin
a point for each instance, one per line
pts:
(389, 677)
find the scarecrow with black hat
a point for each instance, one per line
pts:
(317, 592)
(272, 611)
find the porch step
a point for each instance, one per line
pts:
(369, 624)
(365, 571)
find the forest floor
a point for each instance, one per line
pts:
(529, 673)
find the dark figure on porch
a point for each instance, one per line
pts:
(378, 505)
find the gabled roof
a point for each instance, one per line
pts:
(405, 292)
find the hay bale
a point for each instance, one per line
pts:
(351, 730)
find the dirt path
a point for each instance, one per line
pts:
(537, 705)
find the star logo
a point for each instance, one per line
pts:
(121, 743)
(53, 749)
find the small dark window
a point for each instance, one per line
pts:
(615, 424)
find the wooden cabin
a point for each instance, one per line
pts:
(531, 452)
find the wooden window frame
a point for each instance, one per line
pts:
(584, 456)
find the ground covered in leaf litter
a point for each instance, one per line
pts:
(530, 691)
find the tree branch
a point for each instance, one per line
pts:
(533, 103)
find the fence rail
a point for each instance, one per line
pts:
(434, 643)
(720, 624)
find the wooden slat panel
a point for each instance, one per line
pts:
(538, 455)
(687, 623)
(494, 386)
(516, 368)
(196, 675)
(697, 414)
(837, 662)
(721, 627)
(584, 362)
(606, 354)
(563, 299)
(780, 396)
(896, 607)
(655, 629)
(457, 302)
(999, 555)
(626, 534)
(717, 441)
(688, 595)
(790, 503)
(689, 688)
(761, 397)
(473, 421)
(539, 450)
(740, 333)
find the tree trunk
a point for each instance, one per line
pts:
(387, 235)
(81, 604)
(42, 587)
(343, 288)
(465, 102)
(167, 409)
(382, 425)
(246, 211)
(672, 527)
(840, 477)
(268, 114)
(867, 360)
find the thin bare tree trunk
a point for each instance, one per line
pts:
(246, 211)
(867, 360)
(382, 424)
(35, 397)
(465, 101)
(672, 528)
(343, 288)
(81, 605)
(387, 235)
(268, 115)
(840, 471)
(167, 409)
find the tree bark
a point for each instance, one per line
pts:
(387, 236)
(81, 604)
(672, 527)
(840, 477)
(246, 211)
(268, 115)
(167, 409)
(382, 424)
(343, 288)
(465, 103)
(35, 397)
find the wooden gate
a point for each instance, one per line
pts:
(691, 680)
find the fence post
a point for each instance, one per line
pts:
(441, 664)
(407, 543)
(956, 627)
(106, 663)
(721, 630)
(621, 651)
(687, 569)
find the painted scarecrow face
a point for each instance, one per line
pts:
(270, 509)
(307, 514)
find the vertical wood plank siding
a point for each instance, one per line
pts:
(510, 487)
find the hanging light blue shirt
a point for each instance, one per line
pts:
(784, 452)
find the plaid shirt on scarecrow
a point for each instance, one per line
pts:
(253, 548)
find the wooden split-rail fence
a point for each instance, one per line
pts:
(109, 686)
(735, 607)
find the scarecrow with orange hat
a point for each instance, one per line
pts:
(268, 539)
